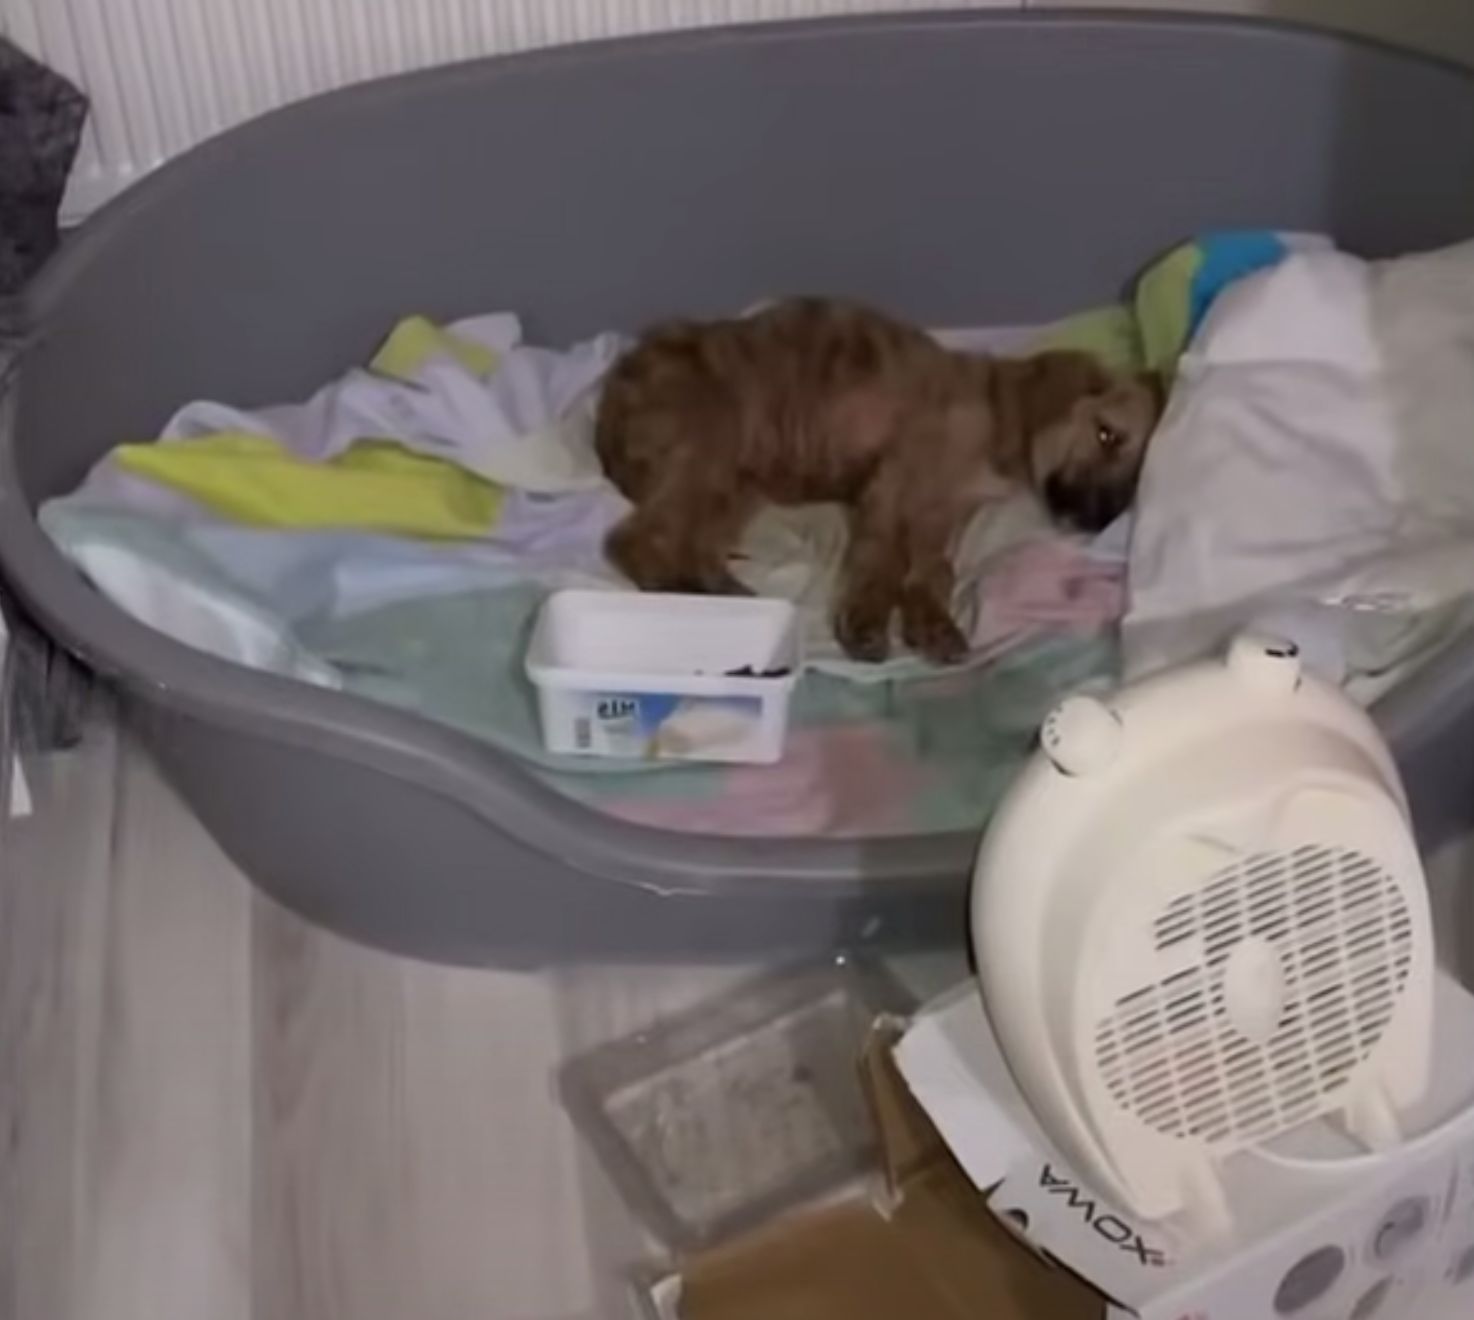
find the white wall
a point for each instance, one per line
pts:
(165, 73)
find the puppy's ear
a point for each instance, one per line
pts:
(1055, 382)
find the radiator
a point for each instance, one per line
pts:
(164, 74)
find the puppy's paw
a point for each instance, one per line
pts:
(863, 632)
(929, 630)
(723, 582)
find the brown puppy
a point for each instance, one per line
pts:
(817, 401)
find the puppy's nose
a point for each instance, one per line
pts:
(1100, 511)
(1058, 496)
(1086, 508)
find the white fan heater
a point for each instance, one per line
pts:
(1201, 921)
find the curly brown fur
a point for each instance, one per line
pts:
(820, 401)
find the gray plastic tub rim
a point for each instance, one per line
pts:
(91, 239)
(485, 780)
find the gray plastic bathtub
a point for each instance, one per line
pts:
(958, 169)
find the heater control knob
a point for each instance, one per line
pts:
(1081, 735)
(1266, 665)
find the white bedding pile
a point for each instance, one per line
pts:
(1314, 472)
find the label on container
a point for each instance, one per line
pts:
(660, 726)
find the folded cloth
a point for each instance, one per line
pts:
(1314, 457)
(474, 394)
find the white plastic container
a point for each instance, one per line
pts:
(664, 677)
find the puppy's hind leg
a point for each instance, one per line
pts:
(927, 626)
(717, 518)
(871, 579)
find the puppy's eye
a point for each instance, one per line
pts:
(1108, 437)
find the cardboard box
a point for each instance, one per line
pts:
(978, 1219)
(1322, 1233)
(923, 1245)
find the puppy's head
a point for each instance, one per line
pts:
(1086, 431)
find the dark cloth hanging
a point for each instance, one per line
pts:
(41, 118)
(42, 692)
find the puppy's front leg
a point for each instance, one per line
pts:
(678, 539)
(871, 581)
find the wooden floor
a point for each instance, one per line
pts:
(208, 1109)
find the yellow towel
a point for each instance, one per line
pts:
(415, 340)
(374, 486)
